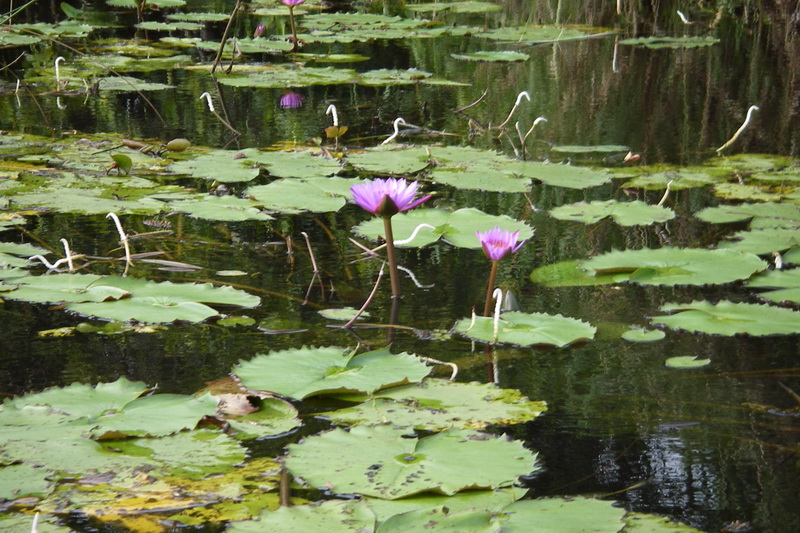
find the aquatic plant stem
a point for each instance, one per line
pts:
(369, 299)
(391, 257)
(294, 30)
(217, 59)
(487, 308)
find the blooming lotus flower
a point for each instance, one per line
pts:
(499, 243)
(387, 197)
(292, 3)
(292, 100)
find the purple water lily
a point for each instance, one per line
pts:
(387, 197)
(259, 30)
(292, 3)
(292, 100)
(499, 243)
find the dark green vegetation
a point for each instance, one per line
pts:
(647, 352)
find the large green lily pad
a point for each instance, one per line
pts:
(435, 404)
(379, 461)
(763, 215)
(763, 241)
(675, 266)
(730, 318)
(457, 227)
(524, 329)
(303, 372)
(624, 213)
(786, 285)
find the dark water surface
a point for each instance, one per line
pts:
(691, 445)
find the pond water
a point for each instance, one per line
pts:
(714, 447)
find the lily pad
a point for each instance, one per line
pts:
(435, 404)
(319, 195)
(523, 329)
(331, 516)
(221, 165)
(303, 372)
(558, 175)
(129, 84)
(675, 266)
(228, 208)
(499, 56)
(379, 461)
(671, 42)
(568, 274)
(534, 34)
(686, 361)
(457, 227)
(643, 335)
(624, 213)
(762, 241)
(729, 318)
(786, 285)
(678, 179)
(762, 215)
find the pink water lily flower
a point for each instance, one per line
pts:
(499, 243)
(387, 197)
(292, 3)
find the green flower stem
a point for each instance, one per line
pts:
(390, 255)
(294, 31)
(487, 309)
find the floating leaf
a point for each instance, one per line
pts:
(436, 404)
(221, 165)
(634, 213)
(379, 461)
(455, 7)
(686, 361)
(156, 415)
(404, 160)
(568, 274)
(331, 516)
(79, 400)
(343, 313)
(558, 175)
(228, 208)
(303, 372)
(643, 335)
(763, 215)
(318, 195)
(671, 42)
(499, 56)
(675, 266)
(785, 282)
(762, 241)
(729, 318)
(297, 163)
(458, 228)
(679, 179)
(534, 34)
(523, 329)
(590, 149)
(128, 84)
